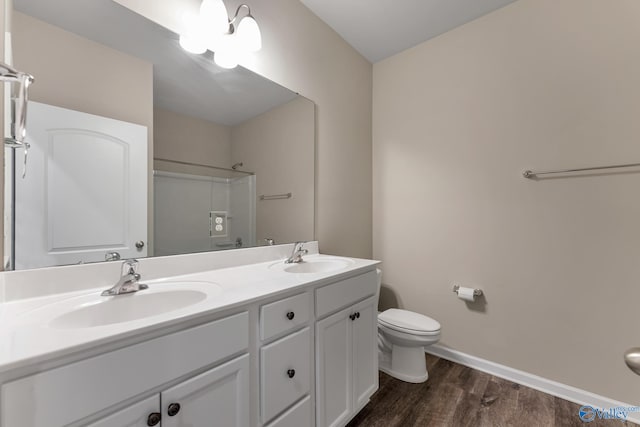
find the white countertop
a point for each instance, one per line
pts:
(27, 338)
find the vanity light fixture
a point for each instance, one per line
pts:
(229, 39)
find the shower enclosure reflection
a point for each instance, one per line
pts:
(208, 209)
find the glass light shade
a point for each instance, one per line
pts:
(248, 35)
(213, 13)
(193, 44)
(214, 41)
(225, 59)
(192, 38)
(227, 54)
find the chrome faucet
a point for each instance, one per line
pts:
(296, 255)
(129, 282)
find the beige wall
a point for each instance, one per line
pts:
(79, 74)
(188, 139)
(540, 84)
(76, 73)
(278, 146)
(304, 54)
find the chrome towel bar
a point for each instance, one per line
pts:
(532, 174)
(276, 196)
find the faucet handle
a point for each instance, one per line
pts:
(300, 248)
(129, 266)
(112, 256)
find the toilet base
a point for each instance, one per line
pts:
(405, 363)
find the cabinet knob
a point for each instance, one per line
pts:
(153, 419)
(357, 314)
(291, 373)
(173, 409)
(139, 244)
(352, 317)
(291, 315)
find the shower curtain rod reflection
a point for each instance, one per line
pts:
(179, 162)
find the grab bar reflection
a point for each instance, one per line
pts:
(276, 196)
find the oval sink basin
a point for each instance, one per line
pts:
(311, 265)
(91, 311)
(127, 307)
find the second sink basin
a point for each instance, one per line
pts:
(314, 265)
(93, 310)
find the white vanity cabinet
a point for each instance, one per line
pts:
(83, 389)
(304, 357)
(220, 394)
(346, 349)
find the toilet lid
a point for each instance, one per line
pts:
(408, 320)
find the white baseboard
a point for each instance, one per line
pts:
(544, 385)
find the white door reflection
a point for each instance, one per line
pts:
(85, 191)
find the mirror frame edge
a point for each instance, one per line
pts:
(5, 25)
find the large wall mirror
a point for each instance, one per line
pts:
(139, 148)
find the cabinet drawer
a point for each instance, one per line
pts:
(88, 386)
(285, 368)
(298, 416)
(346, 292)
(284, 315)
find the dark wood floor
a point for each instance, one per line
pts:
(459, 396)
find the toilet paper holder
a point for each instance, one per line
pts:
(476, 292)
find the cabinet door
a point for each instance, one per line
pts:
(333, 363)
(218, 397)
(298, 416)
(365, 352)
(136, 415)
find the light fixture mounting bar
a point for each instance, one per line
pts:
(232, 21)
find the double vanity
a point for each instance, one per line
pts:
(229, 339)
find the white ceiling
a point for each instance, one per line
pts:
(381, 28)
(188, 84)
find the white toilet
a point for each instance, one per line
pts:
(402, 337)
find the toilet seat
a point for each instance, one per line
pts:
(409, 322)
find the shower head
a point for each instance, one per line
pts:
(236, 165)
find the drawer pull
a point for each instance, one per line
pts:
(291, 315)
(154, 419)
(357, 314)
(291, 373)
(352, 317)
(173, 409)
